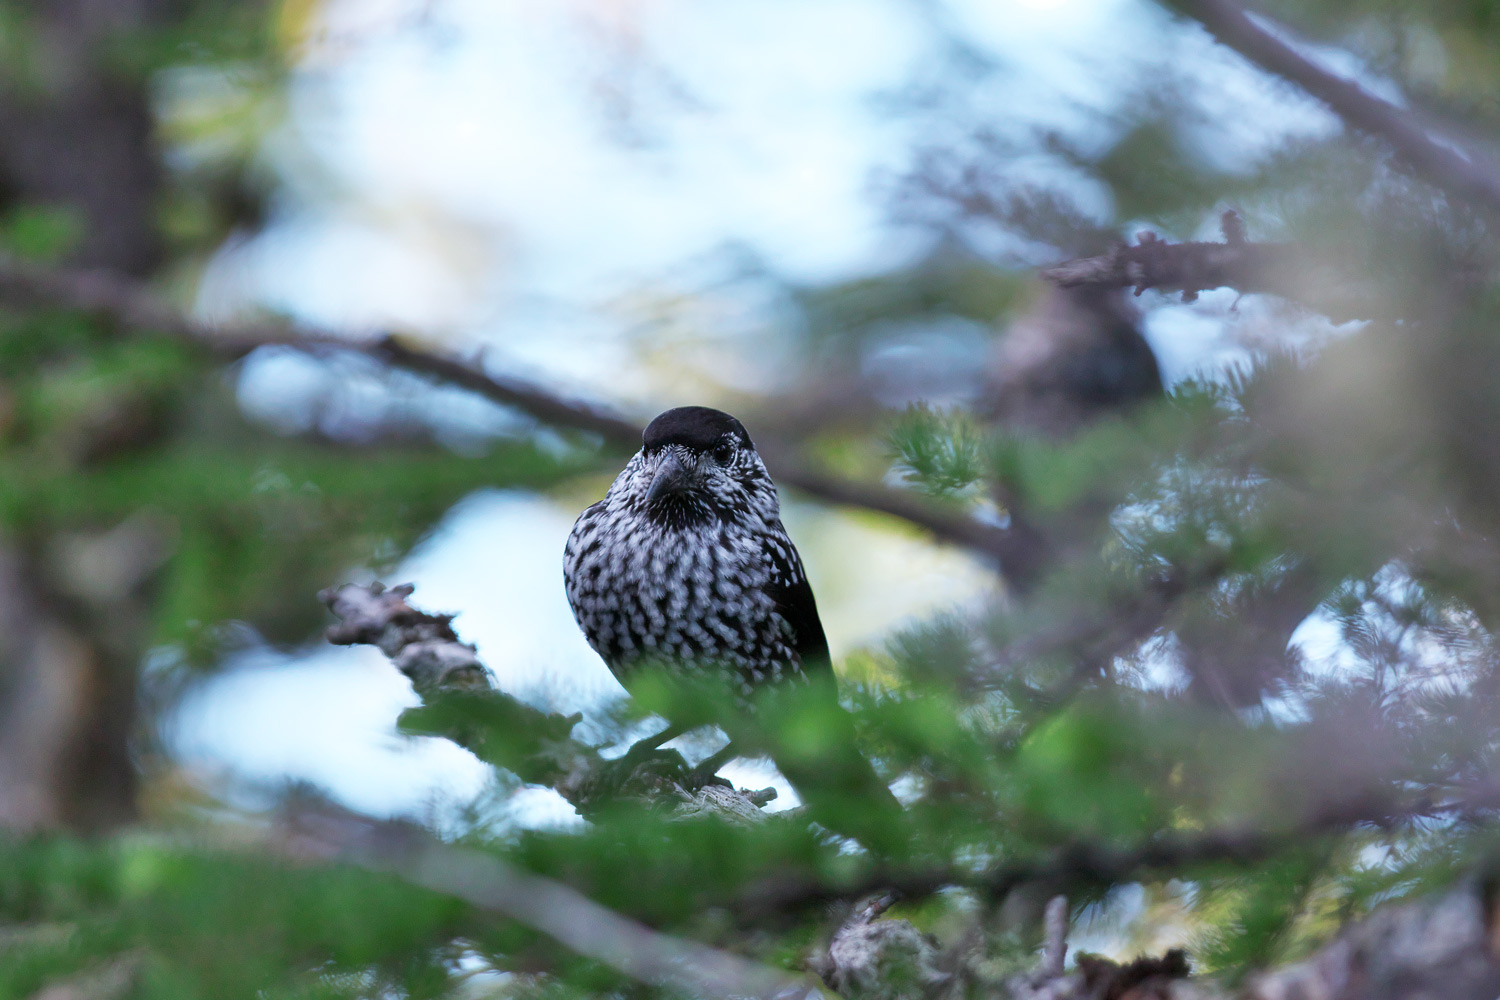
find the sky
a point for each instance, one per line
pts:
(532, 178)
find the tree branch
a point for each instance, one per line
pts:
(549, 408)
(1462, 171)
(461, 704)
(1019, 555)
(1084, 863)
(1441, 946)
(557, 910)
(1189, 268)
(132, 306)
(1288, 270)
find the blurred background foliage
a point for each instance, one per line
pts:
(1260, 589)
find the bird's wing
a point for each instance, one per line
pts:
(840, 787)
(793, 595)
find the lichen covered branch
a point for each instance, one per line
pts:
(422, 646)
(461, 703)
(1288, 270)
(1189, 268)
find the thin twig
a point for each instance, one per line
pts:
(1055, 920)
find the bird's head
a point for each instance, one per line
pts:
(697, 464)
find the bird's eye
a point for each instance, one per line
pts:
(723, 452)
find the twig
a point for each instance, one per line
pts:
(1055, 920)
(546, 406)
(1464, 172)
(1018, 555)
(134, 307)
(422, 646)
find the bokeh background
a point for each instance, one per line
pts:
(1254, 569)
(652, 204)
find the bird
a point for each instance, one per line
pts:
(685, 562)
(685, 565)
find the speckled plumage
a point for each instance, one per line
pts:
(698, 573)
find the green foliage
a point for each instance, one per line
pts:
(1256, 673)
(1253, 918)
(698, 866)
(42, 233)
(297, 929)
(1081, 773)
(941, 452)
(98, 428)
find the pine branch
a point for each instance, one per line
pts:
(1189, 268)
(554, 909)
(1464, 172)
(1288, 270)
(461, 704)
(1092, 864)
(1442, 946)
(133, 307)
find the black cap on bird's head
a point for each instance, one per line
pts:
(700, 428)
(691, 449)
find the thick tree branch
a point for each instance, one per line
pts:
(461, 704)
(1463, 172)
(133, 307)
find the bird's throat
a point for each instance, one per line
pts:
(680, 509)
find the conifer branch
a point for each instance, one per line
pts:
(133, 307)
(461, 704)
(1462, 171)
(1288, 270)
(1087, 863)
(1441, 946)
(1189, 268)
(557, 910)
(592, 930)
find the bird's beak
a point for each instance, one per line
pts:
(671, 477)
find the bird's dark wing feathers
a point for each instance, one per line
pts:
(795, 603)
